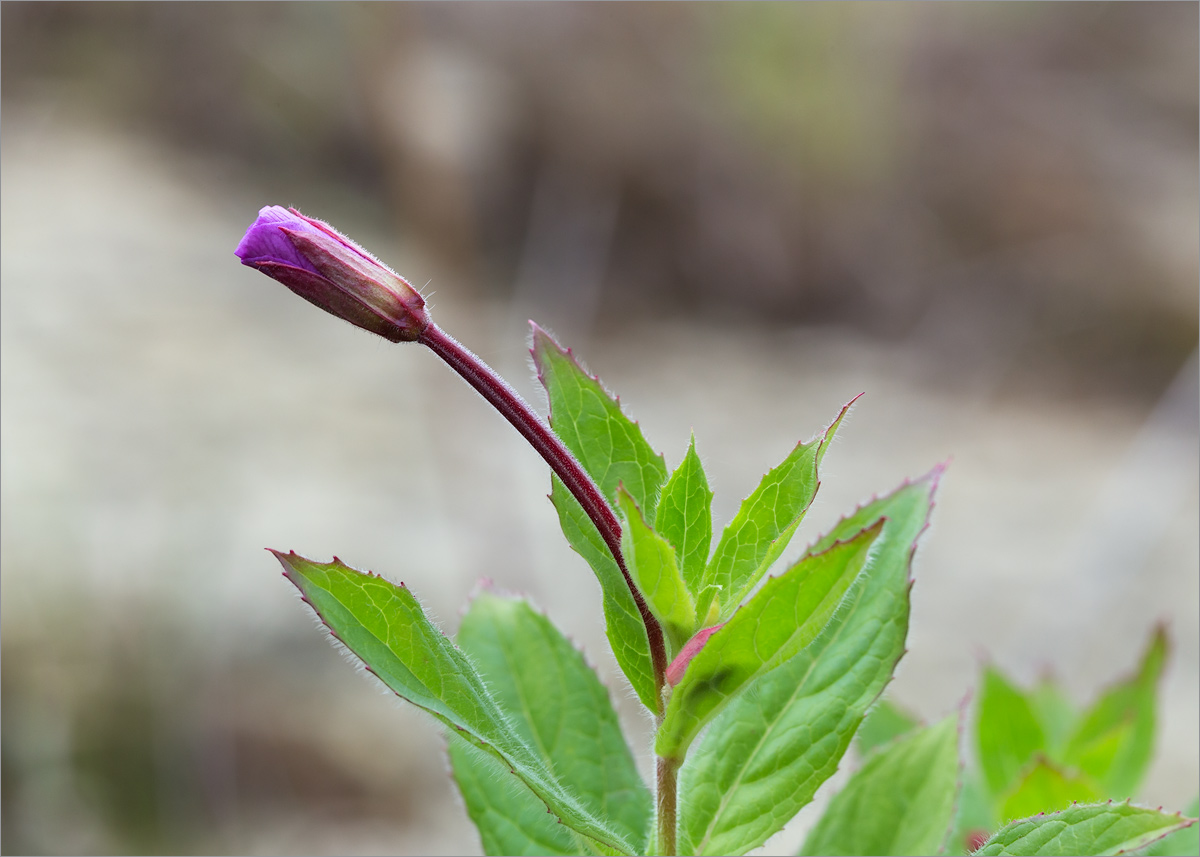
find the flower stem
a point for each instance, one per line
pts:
(534, 429)
(668, 771)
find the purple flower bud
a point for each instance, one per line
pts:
(329, 270)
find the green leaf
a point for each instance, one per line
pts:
(1100, 829)
(1115, 737)
(774, 626)
(684, 518)
(613, 451)
(589, 422)
(557, 705)
(771, 748)
(509, 817)
(884, 723)
(900, 802)
(1045, 787)
(1182, 842)
(622, 619)
(651, 562)
(1008, 733)
(1056, 714)
(383, 625)
(765, 523)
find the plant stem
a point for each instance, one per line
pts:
(668, 771)
(534, 429)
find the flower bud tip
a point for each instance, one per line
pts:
(332, 272)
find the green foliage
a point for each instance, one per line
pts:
(1181, 842)
(651, 562)
(1038, 753)
(758, 710)
(1055, 713)
(784, 617)
(764, 757)
(589, 421)
(1114, 739)
(613, 451)
(1008, 732)
(623, 620)
(559, 708)
(765, 523)
(1100, 829)
(885, 722)
(383, 624)
(901, 801)
(1044, 786)
(685, 518)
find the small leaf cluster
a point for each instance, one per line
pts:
(770, 672)
(1038, 753)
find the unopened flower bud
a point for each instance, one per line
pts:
(329, 270)
(690, 649)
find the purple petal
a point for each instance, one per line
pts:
(264, 241)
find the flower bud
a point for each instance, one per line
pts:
(690, 649)
(331, 271)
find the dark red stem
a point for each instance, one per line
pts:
(534, 429)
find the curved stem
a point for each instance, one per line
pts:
(533, 428)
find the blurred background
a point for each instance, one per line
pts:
(984, 215)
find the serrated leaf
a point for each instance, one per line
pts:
(766, 754)
(1046, 787)
(684, 518)
(557, 705)
(612, 450)
(622, 620)
(1099, 829)
(589, 421)
(883, 723)
(651, 562)
(766, 522)
(1114, 740)
(509, 817)
(900, 802)
(1181, 843)
(1008, 733)
(383, 625)
(774, 626)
